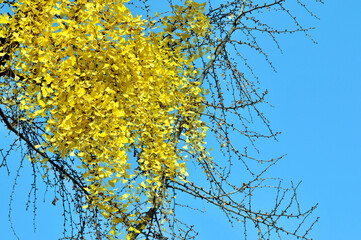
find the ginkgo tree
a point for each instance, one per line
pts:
(117, 100)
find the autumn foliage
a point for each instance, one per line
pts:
(109, 84)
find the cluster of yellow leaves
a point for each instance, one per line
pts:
(108, 84)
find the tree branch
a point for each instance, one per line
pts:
(43, 154)
(222, 44)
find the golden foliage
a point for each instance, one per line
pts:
(110, 84)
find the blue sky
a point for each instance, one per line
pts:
(317, 97)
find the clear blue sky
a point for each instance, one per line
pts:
(317, 99)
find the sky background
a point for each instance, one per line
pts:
(317, 97)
